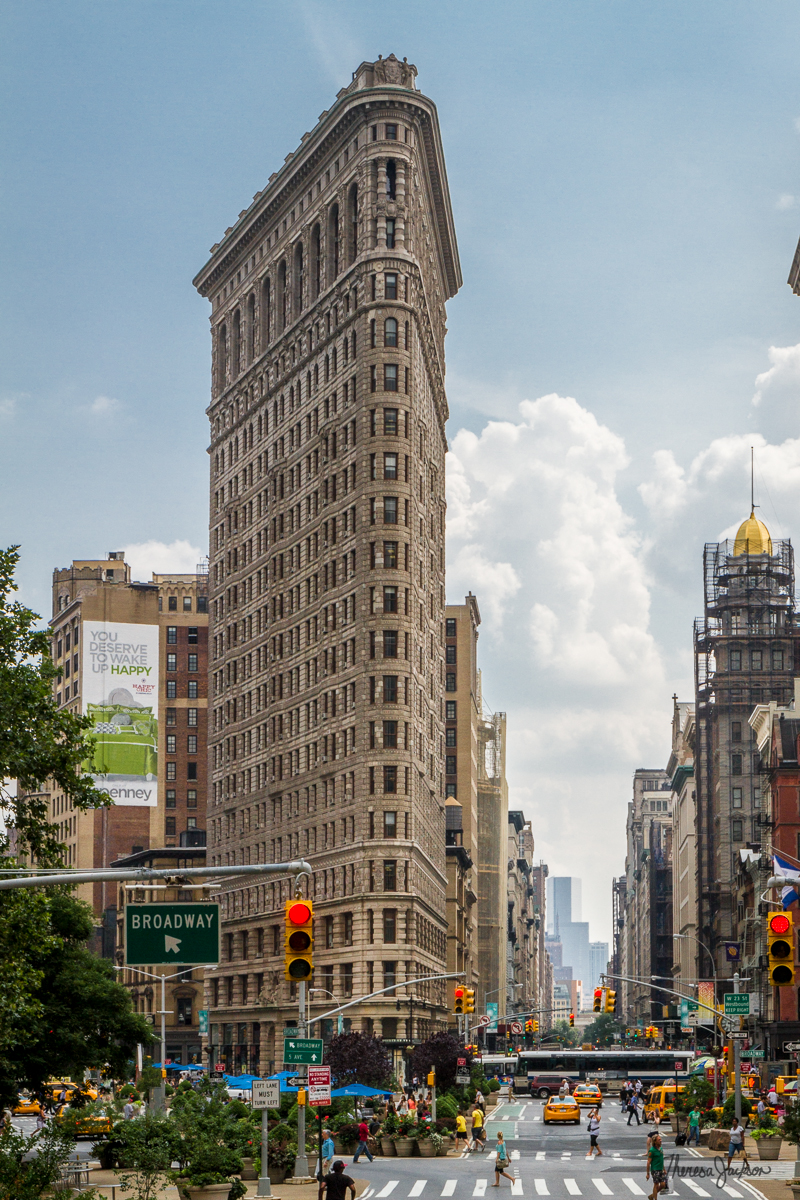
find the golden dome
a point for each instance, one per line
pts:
(753, 537)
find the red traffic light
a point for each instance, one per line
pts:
(459, 993)
(780, 923)
(299, 913)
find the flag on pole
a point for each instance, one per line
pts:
(791, 873)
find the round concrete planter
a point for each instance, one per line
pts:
(212, 1191)
(426, 1148)
(769, 1148)
(404, 1147)
(387, 1145)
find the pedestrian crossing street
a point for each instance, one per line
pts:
(621, 1186)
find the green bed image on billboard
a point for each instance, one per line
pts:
(126, 740)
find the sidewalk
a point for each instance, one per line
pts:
(107, 1182)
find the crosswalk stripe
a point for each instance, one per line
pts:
(388, 1189)
(633, 1186)
(731, 1191)
(418, 1187)
(572, 1187)
(698, 1191)
(516, 1188)
(540, 1155)
(449, 1187)
(514, 1155)
(541, 1187)
(480, 1187)
(602, 1187)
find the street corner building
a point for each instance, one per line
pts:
(327, 598)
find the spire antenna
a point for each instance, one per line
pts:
(752, 482)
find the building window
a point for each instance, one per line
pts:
(450, 737)
(450, 710)
(170, 798)
(450, 627)
(172, 635)
(450, 764)
(187, 603)
(390, 377)
(184, 1010)
(172, 689)
(329, 933)
(172, 662)
(450, 682)
(390, 332)
(450, 655)
(202, 604)
(736, 764)
(736, 797)
(191, 633)
(735, 660)
(450, 790)
(172, 770)
(172, 603)
(191, 717)
(346, 974)
(390, 926)
(172, 743)
(172, 716)
(777, 660)
(390, 643)
(390, 555)
(389, 981)
(191, 770)
(389, 466)
(390, 824)
(192, 692)
(390, 510)
(390, 689)
(391, 133)
(390, 875)
(736, 731)
(389, 735)
(191, 798)
(390, 599)
(736, 831)
(191, 743)
(347, 929)
(192, 663)
(390, 422)
(390, 228)
(390, 284)
(390, 780)
(169, 826)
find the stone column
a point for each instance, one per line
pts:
(381, 205)
(400, 189)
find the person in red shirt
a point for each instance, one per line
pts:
(363, 1148)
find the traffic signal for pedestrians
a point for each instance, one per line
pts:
(598, 1000)
(780, 949)
(299, 940)
(571, 1019)
(611, 1001)
(458, 1001)
(469, 1000)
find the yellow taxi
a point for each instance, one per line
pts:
(55, 1088)
(85, 1124)
(588, 1094)
(660, 1101)
(556, 1109)
(26, 1106)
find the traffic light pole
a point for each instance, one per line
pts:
(301, 1108)
(737, 1072)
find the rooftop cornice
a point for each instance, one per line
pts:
(349, 110)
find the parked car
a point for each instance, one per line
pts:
(545, 1085)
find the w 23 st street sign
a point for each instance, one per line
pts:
(171, 933)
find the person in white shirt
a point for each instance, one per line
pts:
(593, 1125)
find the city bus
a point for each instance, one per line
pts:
(609, 1066)
(499, 1066)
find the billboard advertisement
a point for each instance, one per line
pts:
(120, 697)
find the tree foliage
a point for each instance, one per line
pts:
(358, 1058)
(602, 1030)
(565, 1033)
(38, 741)
(29, 1166)
(68, 1012)
(442, 1052)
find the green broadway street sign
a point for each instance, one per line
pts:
(171, 933)
(753, 1053)
(737, 1004)
(302, 1050)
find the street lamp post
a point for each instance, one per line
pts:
(162, 1098)
(691, 937)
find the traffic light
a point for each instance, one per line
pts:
(458, 1002)
(780, 949)
(431, 1079)
(298, 940)
(598, 1000)
(535, 1026)
(611, 1001)
(571, 1020)
(469, 1000)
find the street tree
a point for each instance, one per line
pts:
(442, 1052)
(563, 1032)
(603, 1031)
(358, 1058)
(38, 741)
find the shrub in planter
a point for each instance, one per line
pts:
(446, 1106)
(494, 1085)
(347, 1134)
(729, 1110)
(210, 1162)
(445, 1125)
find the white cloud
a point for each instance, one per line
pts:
(783, 374)
(103, 406)
(785, 201)
(160, 558)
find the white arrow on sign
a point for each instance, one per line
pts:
(484, 1020)
(171, 945)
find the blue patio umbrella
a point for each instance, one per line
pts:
(359, 1089)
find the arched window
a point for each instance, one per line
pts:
(391, 179)
(316, 263)
(372, 337)
(266, 314)
(297, 282)
(352, 224)
(251, 327)
(390, 332)
(333, 243)
(283, 296)
(237, 343)
(222, 357)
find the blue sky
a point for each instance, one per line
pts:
(624, 180)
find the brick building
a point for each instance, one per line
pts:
(327, 430)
